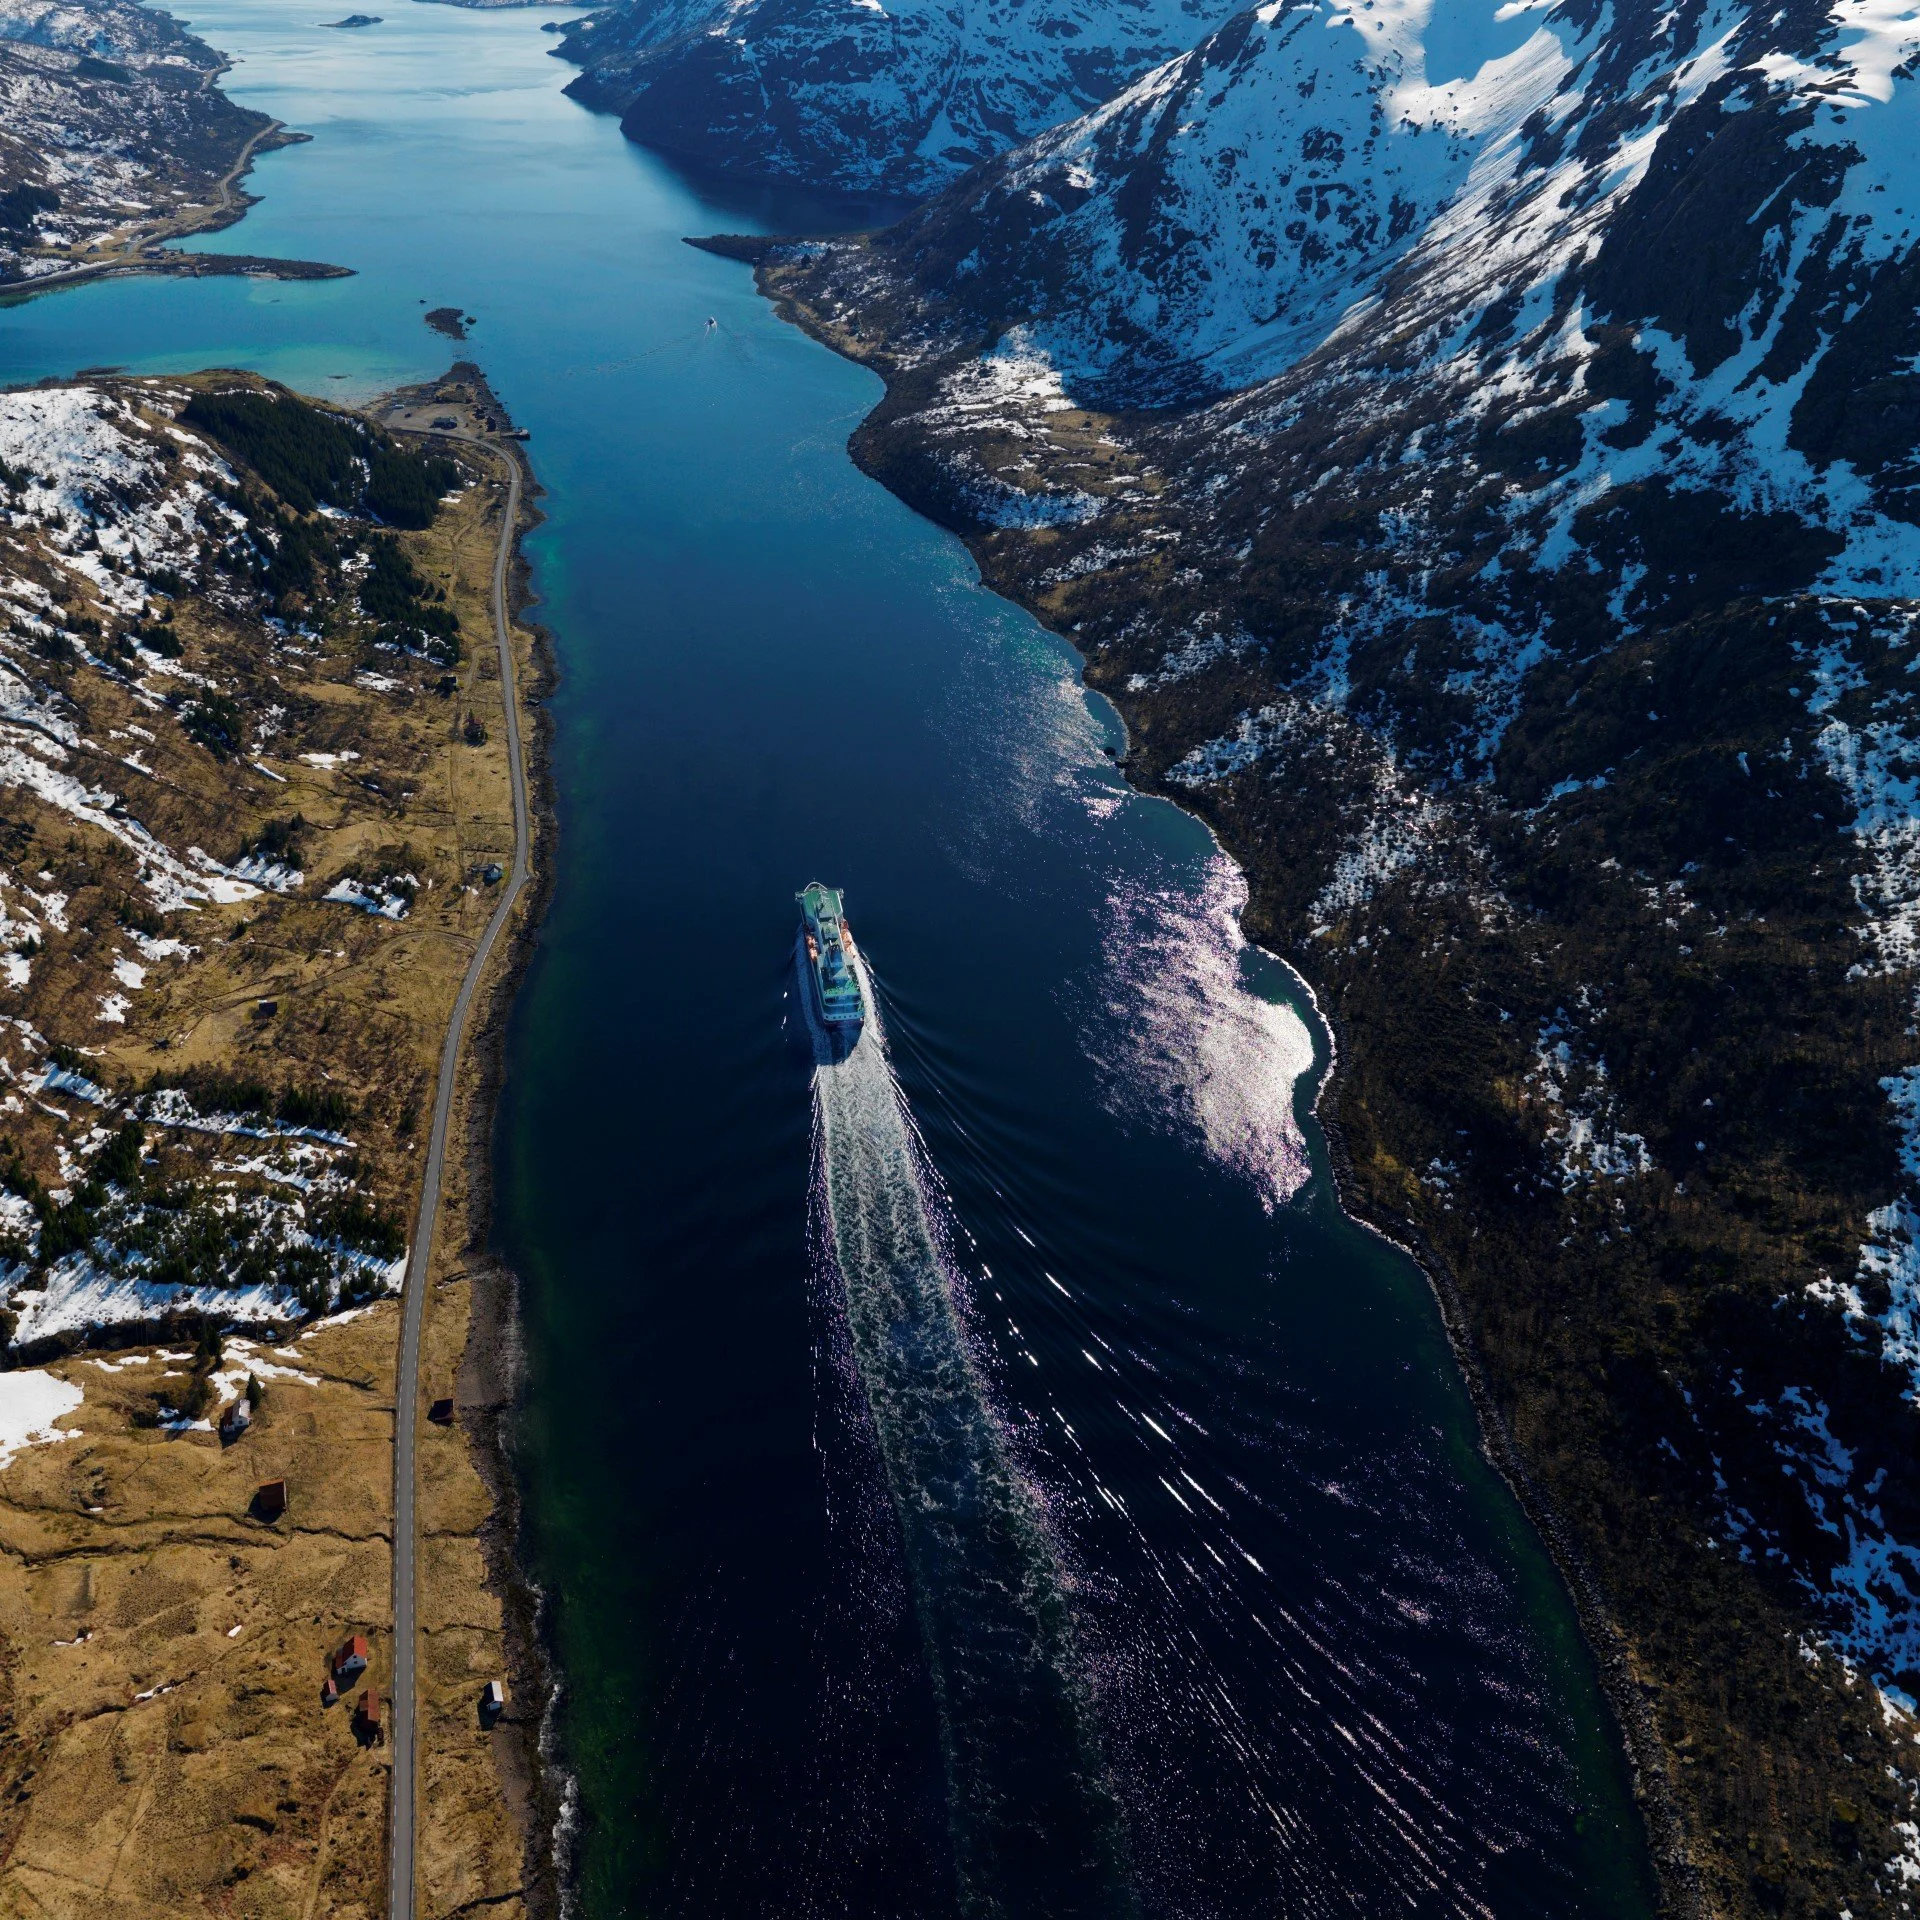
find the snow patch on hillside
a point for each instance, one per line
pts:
(1396, 830)
(173, 882)
(30, 1405)
(1877, 766)
(79, 1294)
(97, 484)
(1583, 1130)
(94, 479)
(1254, 737)
(390, 897)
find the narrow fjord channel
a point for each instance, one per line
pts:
(1012, 1486)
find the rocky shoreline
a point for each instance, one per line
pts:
(490, 1381)
(186, 266)
(1684, 1897)
(492, 1375)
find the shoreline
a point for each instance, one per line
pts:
(1678, 1878)
(490, 1380)
(175, 266)
(492, 1374)
(1679, 1881)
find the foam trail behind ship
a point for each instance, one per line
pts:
(1034, 1828)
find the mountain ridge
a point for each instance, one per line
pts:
(899, 97)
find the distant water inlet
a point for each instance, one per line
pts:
(1035, 1831)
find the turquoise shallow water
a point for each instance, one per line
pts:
(1205, 1603)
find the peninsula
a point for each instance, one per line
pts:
(114, 139)
(260, 827)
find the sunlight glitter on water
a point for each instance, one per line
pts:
(1187, 1026)
(1197, 1044)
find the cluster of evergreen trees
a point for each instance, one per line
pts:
(283, 840)
(21, 205)
(66, 1228)
(312, 458)
(212, 1091)
(412, 614)
(301, 552)
(213, 721)
(181, 1236)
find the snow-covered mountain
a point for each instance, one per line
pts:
(1228, 204)
(1476, 448)
(100, 27)
(894, 96)
(1209, 225)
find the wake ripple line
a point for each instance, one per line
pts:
(1034, 1824)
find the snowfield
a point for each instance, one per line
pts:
(30, 1405)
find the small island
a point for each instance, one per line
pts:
(356, 20)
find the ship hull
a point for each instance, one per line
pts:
(831, 1040)
(831, 987)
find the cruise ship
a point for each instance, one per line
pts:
(836, 1007)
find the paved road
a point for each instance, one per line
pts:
(233, 173)
(406, 1401)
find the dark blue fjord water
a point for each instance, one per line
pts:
(995, 1478)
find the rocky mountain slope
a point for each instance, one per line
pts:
(251, 783)
(1477, 456)
(254, 797)
(899, 98)
(111, 126)
(211, 696)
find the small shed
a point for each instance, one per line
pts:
(493, 1702)
(270, 1500)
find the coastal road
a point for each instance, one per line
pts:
(131, 254)
(224, 187)
(413, 1301)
